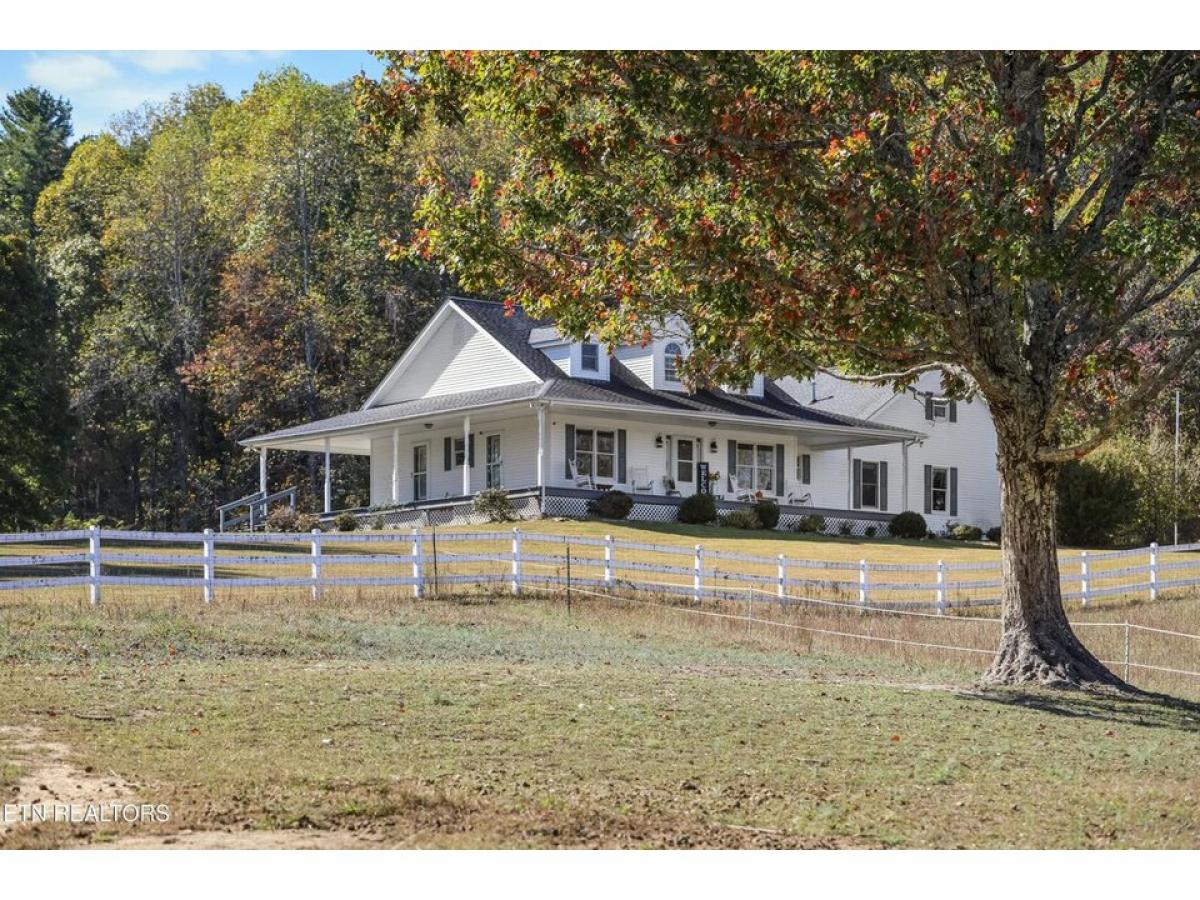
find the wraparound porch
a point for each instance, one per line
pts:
(561, 454)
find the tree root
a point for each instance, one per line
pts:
(1050, 660)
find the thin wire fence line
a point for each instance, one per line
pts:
(789, 625)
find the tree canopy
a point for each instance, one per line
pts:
(1012, 218)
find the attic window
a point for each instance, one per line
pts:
(672, 353)
(941, 409)
(589, 357)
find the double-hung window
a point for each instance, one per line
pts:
(685, 460)
(804, 468)
(672, 353)
(595, 453)
(941, 409)
(756, 467)
(493, 468)
(589, 357)
(869, 487)
(939, 489)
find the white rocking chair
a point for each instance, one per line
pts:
(581, 481)
(740, 494)
(642, 483)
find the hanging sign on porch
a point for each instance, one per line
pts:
(702, 482)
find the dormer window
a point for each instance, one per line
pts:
(589, 357)
(672, 354)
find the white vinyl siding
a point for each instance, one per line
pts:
(457, 357)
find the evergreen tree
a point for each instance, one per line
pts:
(35, 128)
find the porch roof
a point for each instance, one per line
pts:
(621, 396)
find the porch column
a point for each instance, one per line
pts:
(396, 466)
(466, 475)
(849, 478)
(904, 476)
(262, 469)
(328, 479)
(541, 453)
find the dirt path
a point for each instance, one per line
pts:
(48, 777)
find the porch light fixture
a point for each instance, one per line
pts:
(428, 424)
(658, 440)
(712, 424)
(712, 446)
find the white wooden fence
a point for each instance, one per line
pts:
(511, 560)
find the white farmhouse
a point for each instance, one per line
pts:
(484, 399)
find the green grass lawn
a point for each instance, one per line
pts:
(513, 724)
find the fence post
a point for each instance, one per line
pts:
(210, 566)
(862, 582)
(417, 563)
(698, 574)
(780, 578)
(608, 560)
(1083, 576)
(940, 591)
(1127, 652)
(1154, 570)
(516, 561)
(318, 589)
(94, 565)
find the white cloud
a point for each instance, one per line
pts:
(160, 62)
(70, 72)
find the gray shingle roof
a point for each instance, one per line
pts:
(409, 409)
(622, 389)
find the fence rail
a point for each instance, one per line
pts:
(515, 560)
(213, 560)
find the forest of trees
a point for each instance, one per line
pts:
(201, 271)
(211, 268)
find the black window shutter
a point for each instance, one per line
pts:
(570, 448)
(953, 491)
(470, 451)
(928, 489)
(731, 480)
(621, 455)
(929, 407)
(883, 486)
(953, 411)
(449, 446)
(806, 468)
(779, 470)
(858, 484)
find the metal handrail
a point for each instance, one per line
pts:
(260, 500)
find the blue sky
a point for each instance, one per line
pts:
(102, 83)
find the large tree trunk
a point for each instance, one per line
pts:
(1037, 645)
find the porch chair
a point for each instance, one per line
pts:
(738, 494)
(669, 488)
(581, 481)
(642, 483)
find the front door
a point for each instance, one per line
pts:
(686, 458)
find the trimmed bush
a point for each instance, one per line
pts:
(768, 513)
(908, 524)
(346, 522)
(285, 520)
(871, 531)
(993, 534)
(698, 509)
(811, 524)
(845, 528)
(611, 505)
(742, 518)
(494, 503)
(965, 532)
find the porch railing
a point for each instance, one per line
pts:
(257, 506)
